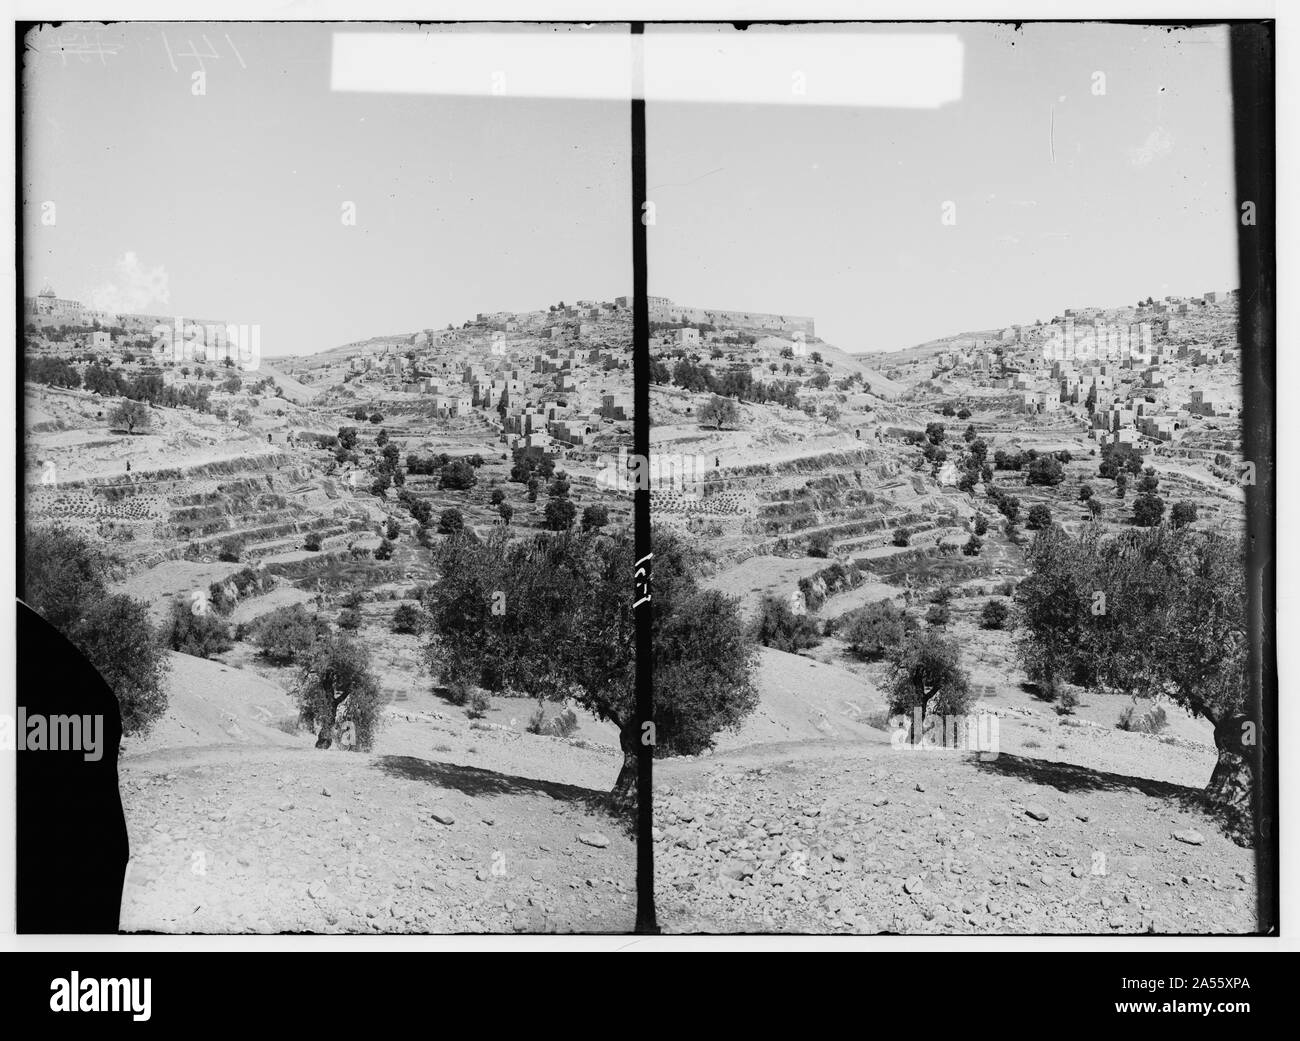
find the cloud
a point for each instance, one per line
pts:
(134, 288)
(1159, 143)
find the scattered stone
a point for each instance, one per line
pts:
(1190, 835)
(593, 838)
(1036, 812)
(443, 815)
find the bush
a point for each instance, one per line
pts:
(873, 631)
(116, 637)
(230, 550)
(220, 599)
(972, 546)
(1152, 721)
(820, 545)
(407, 619)
(1183, 514)
(1040, 517)
(479, 704)
(938, 615)
(194, 628)
(384, 551)
(902, 537)
(594, 517)
(777, 626)
(565, 724)
(450, 522)
(458, 476)
(312, 542)
(286, 634)
(1046, 469)
(458, 692)
(559, 514)
(349, 619)
(1147, 510)
(505, 511)
(994, 615)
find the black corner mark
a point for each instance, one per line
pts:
(72, 845)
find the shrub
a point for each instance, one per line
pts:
(565, 724)
(458, 692)
(777, 626)
(938, 615)
(115, 635)
(994, 615)
(871, 632)
(312, 542)
(458, 475)
(220, 599)
(1040, 517)
(902, 537)
(231, 548)
(1046, 469)
(384, 551)
(1183, 514)
(820, 545)
(349, 619)
(1152, 721)
(972, 546)
(1147, 510)
(594, 517)
(407, 619)
(450, 522)
(286, 634)
(981, 524)
(560, 513)
(193, 628)
(479, 704)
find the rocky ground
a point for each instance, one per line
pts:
(238, 824)
(859, 837)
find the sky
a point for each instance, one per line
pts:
(230, 204)
(1062, 197)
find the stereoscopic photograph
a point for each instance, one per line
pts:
(360, 590)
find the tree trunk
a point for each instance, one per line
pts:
(1232, 785)
(326, 736)
(623, 799)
